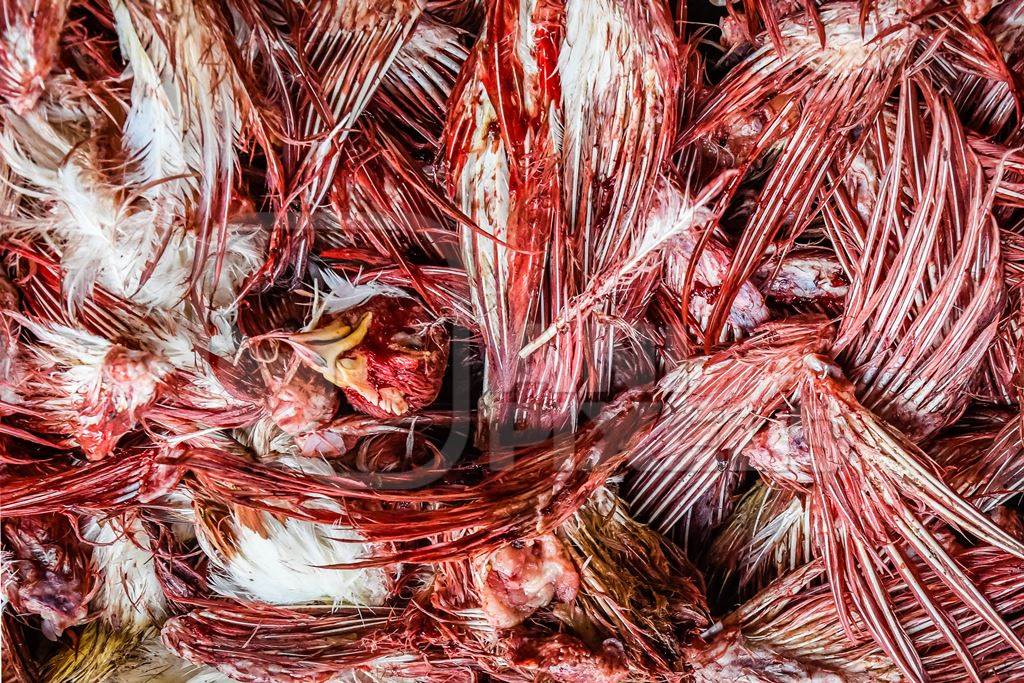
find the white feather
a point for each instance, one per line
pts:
(183, 119)
(63, 367)
(84, 217)
(153, 134)
(283, 565)
(335, 294)
(130, 596)
(152, 662)
(185, 112)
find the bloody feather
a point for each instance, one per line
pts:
(514, 340)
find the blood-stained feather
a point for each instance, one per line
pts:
(112, 484)
(812, 95)
(991, 474)
(797, 621)
(254, 642)
(190, 112)
(384, 202)
(549, 482)
(29, 35)
(415, 91)
(870, 488)
(257, 556)
(512, 340)
(767, 535)
(989, 106)
(710, 408)
(914, 331)
(326, 61)
(86, 387)
(500, 153)
(618, 116)
(348, 47)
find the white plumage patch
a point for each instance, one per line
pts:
(152, 662)
(130, 596)
(283, 567)
(341, 294)
(108, 228)
(187, 102)
(74, 357)
(84, 217)
(282, 561)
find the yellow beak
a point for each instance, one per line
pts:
(329, 343)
